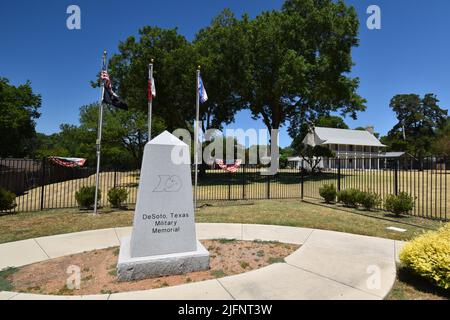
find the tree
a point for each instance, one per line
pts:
(18, 111)
(124, 137)
(314, 155)
(174, 73)
(418, 123)
(223, 58)
(299, 64)
(125, 133)
(442, 144)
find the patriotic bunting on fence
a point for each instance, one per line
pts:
(233, 168)
(68, 162)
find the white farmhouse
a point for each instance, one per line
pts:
(359, 149)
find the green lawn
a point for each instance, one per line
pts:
(277, 212)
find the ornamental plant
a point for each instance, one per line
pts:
(117, 196)
(7, 200)
(350, 197)
(428, 256)
(328, 192)
(399, 204)
(85, 197)
(369, 200)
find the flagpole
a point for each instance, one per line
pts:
(196, 129)
(150, 100)
(99, 139)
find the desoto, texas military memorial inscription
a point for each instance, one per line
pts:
(163, 239)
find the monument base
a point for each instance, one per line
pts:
(129, 269)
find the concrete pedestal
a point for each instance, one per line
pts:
(129, 268)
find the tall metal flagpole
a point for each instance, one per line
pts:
(196, 129)
(150, 100)
(99, 138)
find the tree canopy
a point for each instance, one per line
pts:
(176, 62)
(287, 67)
(419, 121)
(18, 111)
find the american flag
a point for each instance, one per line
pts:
(105, 78)
(109, 96)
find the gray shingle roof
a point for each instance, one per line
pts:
(346, 136)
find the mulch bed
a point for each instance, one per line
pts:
(98, 268)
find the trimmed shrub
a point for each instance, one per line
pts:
(117, 196)
(7, 200)
(86, 197)
(399, 204)
(369, 200)
(428, 256)
(350, 197)
(328, 193)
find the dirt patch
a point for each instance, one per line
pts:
(98, 268)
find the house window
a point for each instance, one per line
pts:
(350, 148)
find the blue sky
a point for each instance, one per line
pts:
(410, 54)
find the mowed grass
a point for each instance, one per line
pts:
(50, 222)
(277, 212)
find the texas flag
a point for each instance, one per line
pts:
(202, 90)
(151, 89)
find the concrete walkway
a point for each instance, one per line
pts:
(328, 265)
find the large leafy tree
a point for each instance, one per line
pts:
(224, 61)
(419, 120)
(175, 65)
(442, 144)
(18, 111)
(299, 64)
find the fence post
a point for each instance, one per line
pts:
(396, 177)
(338, 174)
(115, 177)
(42, 182)
(229, 185)
(302, 180)
(268, 186)
(243, 182)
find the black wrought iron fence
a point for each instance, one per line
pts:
(40, 185)
(427, 180)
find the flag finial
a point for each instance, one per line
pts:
(199, 67)
(152, 60)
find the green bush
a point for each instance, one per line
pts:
(369, 200)
(428, 255)
(399, 204)
(86, 197)
(328, 193)
(117, 196)
(350, 197)
(7, 200)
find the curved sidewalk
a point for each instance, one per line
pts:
(328, 265)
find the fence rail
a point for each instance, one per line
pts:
(40, 184)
